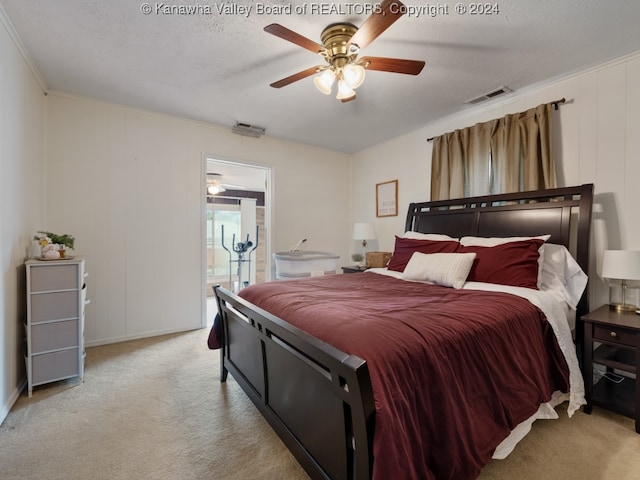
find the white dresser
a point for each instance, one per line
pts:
(56, 298)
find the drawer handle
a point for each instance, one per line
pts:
(613, 334)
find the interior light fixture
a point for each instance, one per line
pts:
(215, 189)
(349, 78)
(325, 80)
(622, 265)
(344, 90)
(353, 75)
(364, 232)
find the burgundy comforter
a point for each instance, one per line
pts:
(453, 372)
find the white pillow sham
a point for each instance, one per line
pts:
(427, 236)
(561, 274)
(446, 269)
(493, 241)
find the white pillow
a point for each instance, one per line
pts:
(561, 274)
(493, 241)
(446, 269)
(427, 236)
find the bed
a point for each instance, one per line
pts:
(420, 370)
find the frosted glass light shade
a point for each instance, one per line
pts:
(324, 81)
(344, 90)
(215, 189)
(353, 75)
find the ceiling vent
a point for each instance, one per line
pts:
(488, 96)
(247, 130)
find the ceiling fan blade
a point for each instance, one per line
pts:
(295, 77)
(377, 23)
(293, 37)
(395, 65)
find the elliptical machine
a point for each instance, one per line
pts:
(240, 249)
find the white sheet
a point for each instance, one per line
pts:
(557, 314)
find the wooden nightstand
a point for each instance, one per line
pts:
(618, 336)
(353, 269)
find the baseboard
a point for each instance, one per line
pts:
(126, 338)
(6, 408)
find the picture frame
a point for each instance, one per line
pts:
(387, 199)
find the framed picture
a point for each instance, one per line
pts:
(387, 199)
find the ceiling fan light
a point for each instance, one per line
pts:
(215, 189)
(324, 81)
(344, 90)
(353, 75)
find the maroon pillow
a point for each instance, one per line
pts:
(513, 263)
(405, 248)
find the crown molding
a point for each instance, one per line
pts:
(4, 19)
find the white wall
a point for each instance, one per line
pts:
(129, 185)
(22, 193)
(597, 137)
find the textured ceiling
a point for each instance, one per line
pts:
(216, 65)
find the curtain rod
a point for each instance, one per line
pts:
(555, 104)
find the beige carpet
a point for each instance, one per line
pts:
(154, 409)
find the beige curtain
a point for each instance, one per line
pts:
(509, 154)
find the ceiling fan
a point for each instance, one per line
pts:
(215, 185)
(341, 44)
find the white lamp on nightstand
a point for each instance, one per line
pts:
(622, 265)
(364, 232)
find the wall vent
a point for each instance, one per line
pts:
(488, 96)
(247, 130)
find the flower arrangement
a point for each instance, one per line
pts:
(53, 245)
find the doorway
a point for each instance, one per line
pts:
(237, 201)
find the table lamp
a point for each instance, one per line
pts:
(364, 232)
(622, 265)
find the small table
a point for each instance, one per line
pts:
(353, 269)
(618, 336)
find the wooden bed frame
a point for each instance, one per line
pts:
(318, 399)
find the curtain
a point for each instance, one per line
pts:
(505, 155)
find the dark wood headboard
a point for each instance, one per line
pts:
(565, 213)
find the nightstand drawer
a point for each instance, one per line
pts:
(614, 334)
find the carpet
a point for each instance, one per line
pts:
(155, 409)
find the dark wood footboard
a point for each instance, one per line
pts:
(318, 399)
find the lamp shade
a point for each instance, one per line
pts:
(364, 231)
(353, 75)
(344, 90)
(621, 264)
(324, 81)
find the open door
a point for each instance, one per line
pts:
(236, 197)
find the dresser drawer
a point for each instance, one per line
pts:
(614, 335)
(54, 306)
(46, 337)
(54, 277)
(53, 366)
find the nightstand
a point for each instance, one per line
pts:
(353, 269)
(612, 340)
